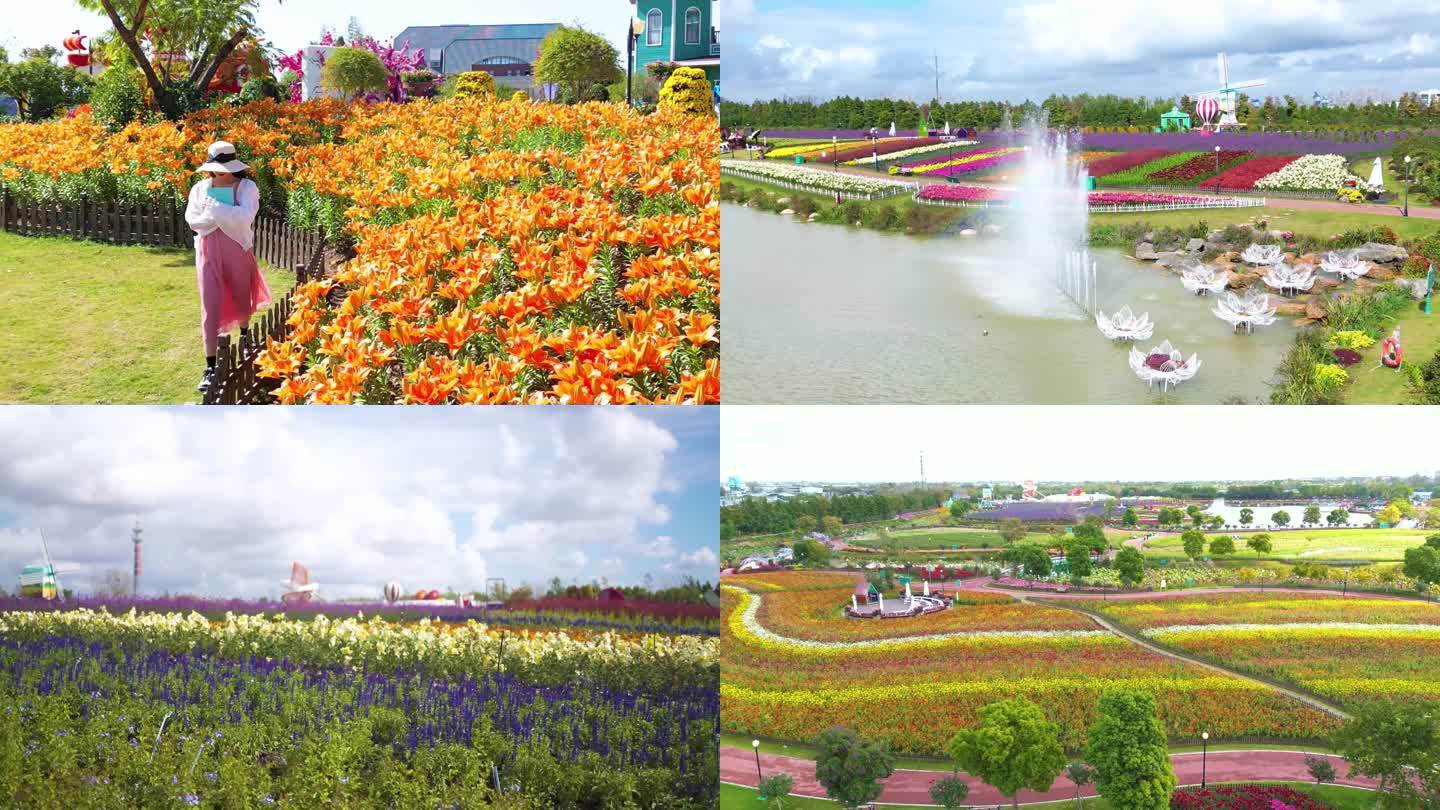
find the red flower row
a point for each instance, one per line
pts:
(1125, 160)
(1201, 166)
(1244, 175)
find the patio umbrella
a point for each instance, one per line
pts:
(1377, 180)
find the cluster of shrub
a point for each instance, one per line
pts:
(876, 215)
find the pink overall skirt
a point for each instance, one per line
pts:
(232, 287)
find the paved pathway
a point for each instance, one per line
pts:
(737, 766)
(983, 584)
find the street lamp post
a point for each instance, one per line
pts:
(1406, 211)
(755, 744)
(1204, 752)
(1217, 169)
(637, 27)
(874, 150)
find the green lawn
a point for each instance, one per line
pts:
(945, 537)
(1374, 384)
(1311, 544)
(733, 797)
(1362, 166)
(1314, 223)
(82, 322)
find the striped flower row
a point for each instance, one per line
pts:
(815, 178)
(972, 160)
(906, 154)
(1181, 629)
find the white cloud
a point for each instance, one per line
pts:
(1420, 44)
(229, 498)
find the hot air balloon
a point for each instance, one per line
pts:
(392, 592)
(1206, 109)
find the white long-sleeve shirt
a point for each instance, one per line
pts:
(204, 214)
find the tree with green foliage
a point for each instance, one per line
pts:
(850, 768)
(831, 525)
(806, 524)
(1280, 518)
(1127, 747)
(775, 788)
(1398, 745)
(961, 508)
(209, 32)
(1260, 543)
(1012, 529)
(1130, 518)
(1013, 746)
(1222, 545)
(577, 59)
(1320, 769)
(1312, 515)
(1031, 559)
(1247, 516)
(810, 552)
(1130, 564)
(1194, 542)
(1433, 541)
(1092, 533)
(1194, 513)
(42, 88)
(1422, 564)
(1338, 517)
(1169, 516)
(1077, 557)
(354, 72)
(1081, 775)
(949, 792)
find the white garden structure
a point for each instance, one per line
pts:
(1344, 264)
(1262, 254)
(1124, 324)
(1163, 364)
(1248, 311)
(298, 588)
(1289, 280)
(1201, 278)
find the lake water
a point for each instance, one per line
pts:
(821, 313)
(1297, 512)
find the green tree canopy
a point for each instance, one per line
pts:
(850, 768)
(1130, 518)
(1247, 516)
(1128, 748)
(1260, 543)
(811, 552)
(949, 792)
(1280, 518)
(577, 59)
(1398, 745)
(41, 88)
(1194, 542)
(354, 72)
(1077, 556)
(1130, 564)
(1423, 564)
(1312, 514)
(1222, 545)
(1012, 529)
(1014, 746)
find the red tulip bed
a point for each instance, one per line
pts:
(881, 148)
(1244, 797)
(1197, 168)
(1245, 174)
(1125, 160)
(1144, 198)
(954, 193)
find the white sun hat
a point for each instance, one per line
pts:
(222, 159)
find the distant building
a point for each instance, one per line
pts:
(1421, 498)
(507, 52)
(1428, 98)
(679, 31)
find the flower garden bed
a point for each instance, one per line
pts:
(913, 152)
(984, 196)
(812, 149)
(1199, 167)
(819, 180)
(1244, 175)
(1310, 173)
(882, 147)
(1243, 797)
(1125, 160)
(973, 160)
(1138, 175)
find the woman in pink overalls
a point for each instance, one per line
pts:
(222, 212)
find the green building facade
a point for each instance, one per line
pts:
(680, 31)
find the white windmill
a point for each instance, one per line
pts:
(1228, 94)
(42, 581)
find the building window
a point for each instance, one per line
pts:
(692, 26)
(653, 26)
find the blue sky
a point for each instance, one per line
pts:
(1017, 49)
(433, 497)
(294, 23)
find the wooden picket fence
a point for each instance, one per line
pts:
(160, 224)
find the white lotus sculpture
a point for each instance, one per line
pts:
(1201, 279)
(1248, 311)
(1344, 264)
(1262, 254)
(1163, 364)
(1290, 280)
(1125, 324)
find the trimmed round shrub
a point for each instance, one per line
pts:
(354, 72)
(688, 91)
(520, 95)
(474, 83)
(117, 99)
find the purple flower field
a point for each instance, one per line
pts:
(1041, 510)
(1293, 143)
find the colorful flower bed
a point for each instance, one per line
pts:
(1201, 166)
(1352, 650)
(973, 160)
(955, 193)
(1310, 173)
(1244, 175)
(812, 148)
(906, 154)
(912, 694)
(985, 194)
(1151, 198)
(1243, 797)
(1139, 175)
(169, 711)
(818, 179)
(1125, 160)
(883, 147)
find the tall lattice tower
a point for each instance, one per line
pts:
(922, 469)
(136, 539)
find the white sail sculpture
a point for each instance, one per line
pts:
(1164, 364)
(1290, 280)
(298, 588)
(1124, 324)
(1262, 254)
(1248, 311)
(1201, 279)
(1344, 264)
